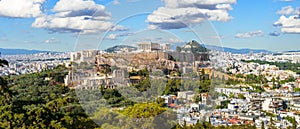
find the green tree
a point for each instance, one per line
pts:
(160, 101)
(241, 96)
(3, 63)
(197, 98)
(294, 123)
(6, 104)
(231, 95)
(143, 110)
(262, 125)
(172, 87)
(29, 101)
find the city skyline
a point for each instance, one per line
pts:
(69, 25)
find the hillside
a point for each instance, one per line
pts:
(192, 46)
(119, 48)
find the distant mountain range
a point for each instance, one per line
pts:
(119, 47)
(5, 51)
(236, 51)
(226, 49)
(294, 51)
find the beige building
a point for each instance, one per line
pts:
(148, 46)
(167, 47)
(83, 56)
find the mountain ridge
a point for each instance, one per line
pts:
(237, 51)
(226, 49)
(8, 51)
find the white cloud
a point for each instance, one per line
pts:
(275, 33)
(115, 36)
(116, 2)
(182, 13)
(76, 5)
(286, 10)
(297, 11)
(83, 24)
(289, 24)
(51, 40)
(112, 37)
(174, 40)
(21, 8)
(84, 16)
(217, 37)
(224, 6)
(196, 3)
(249, 34)
(79, 8)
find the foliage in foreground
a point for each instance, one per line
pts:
(144, 110)
(31, 101)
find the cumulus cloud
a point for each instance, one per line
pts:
(291, 23)
(21, 8)
(84, 16)
(72, 8)
(286, 10)
(178, 14)
(249, 34)
(275, 33)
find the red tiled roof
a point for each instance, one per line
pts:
(249, 122)
(172, 105)
(233, 121)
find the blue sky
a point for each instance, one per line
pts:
(68, 25)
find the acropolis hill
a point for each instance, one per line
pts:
(149, 59)
(101, 66)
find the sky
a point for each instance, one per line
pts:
(71, 25)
